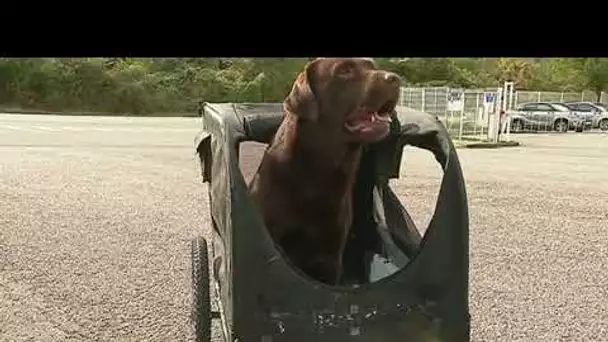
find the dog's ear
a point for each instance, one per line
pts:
(301, 100)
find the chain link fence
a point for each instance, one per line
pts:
(554, 96)
(472, 123)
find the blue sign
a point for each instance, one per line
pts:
(490, 98)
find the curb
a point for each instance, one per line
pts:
(492, 145)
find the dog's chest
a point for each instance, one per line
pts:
(323, 200)
(306, 191)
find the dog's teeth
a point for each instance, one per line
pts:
(356, 127)
(384, 118)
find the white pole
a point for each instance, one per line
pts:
(510, 86)
(435, 102)
(423, 99)
(509, 108)
(461, 128)
(489, 120)
(508, 128)
(447, 99)
(503, 107)
(496, 115)
(477, 116)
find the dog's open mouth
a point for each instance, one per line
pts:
(370, 125)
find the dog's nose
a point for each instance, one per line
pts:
(392, 78)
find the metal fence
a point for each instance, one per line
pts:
(554, 96)
(473, 122)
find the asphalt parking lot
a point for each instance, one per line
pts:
(97, 215)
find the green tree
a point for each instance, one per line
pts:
(518, 70)
(144, 86)
(596, 75)
(559, 74)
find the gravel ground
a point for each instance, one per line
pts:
(98, 213)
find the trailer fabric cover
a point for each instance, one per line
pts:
(263, 297)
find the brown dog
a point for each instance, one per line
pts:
(304, 185)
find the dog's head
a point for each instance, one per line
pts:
(348, 96)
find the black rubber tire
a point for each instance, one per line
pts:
(201, 300)
(561, 126)
(579, 129)
(517, 126)
(604, 125)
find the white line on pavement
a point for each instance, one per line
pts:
(14, 128)
(135, 129)
(45, 128)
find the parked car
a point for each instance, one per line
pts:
(598, 111)
(587, 118)
(544, 116)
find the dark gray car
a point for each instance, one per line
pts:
(544, 116)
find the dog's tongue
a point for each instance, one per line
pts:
(367, 121)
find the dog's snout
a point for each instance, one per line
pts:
(392, 78)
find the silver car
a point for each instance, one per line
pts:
(586, 117)
(545, 116)
(598, 113)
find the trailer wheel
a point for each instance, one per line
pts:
(201, 301)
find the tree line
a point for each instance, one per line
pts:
(144, 86)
